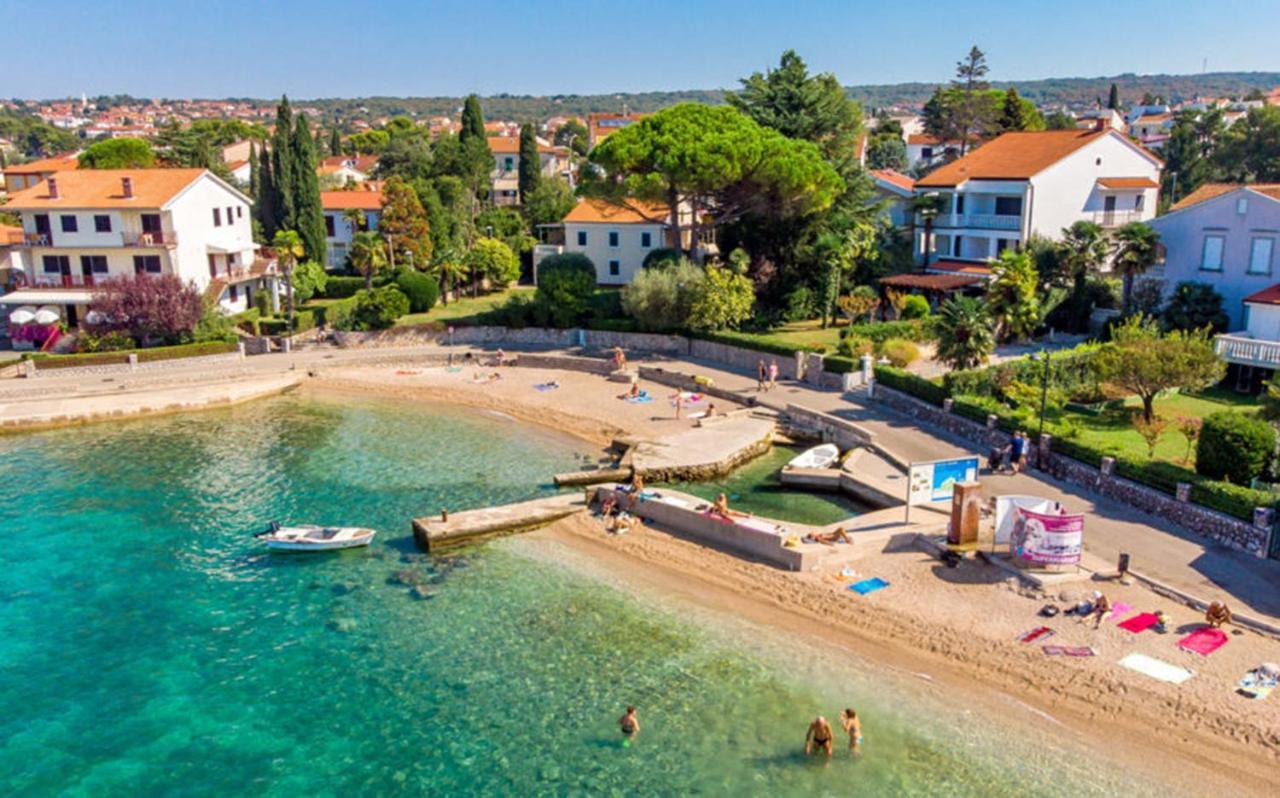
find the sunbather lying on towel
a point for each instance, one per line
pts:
(830, 538)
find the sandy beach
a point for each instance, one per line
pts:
(958, 625)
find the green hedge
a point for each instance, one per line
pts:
(144, 355)
(839, 364)
(916, 330)
(339, 287)
(1072, 373)
(909, 383)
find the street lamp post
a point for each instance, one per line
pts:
(1046, 357)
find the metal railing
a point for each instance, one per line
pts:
(1240, 348)
(153, 238)
(990, 221)
(1116, 218)
(65, 280)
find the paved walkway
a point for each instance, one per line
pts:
(1160, 550)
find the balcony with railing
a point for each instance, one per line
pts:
(151, 238)
(979, 221)
(1116, 218)
(1241, 348)
(74, 280)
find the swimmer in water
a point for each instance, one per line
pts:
(849, 719)
(629, 723)
(819, 737)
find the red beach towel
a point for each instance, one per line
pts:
(1139, 622)
(1032, 635)
(1204, 641)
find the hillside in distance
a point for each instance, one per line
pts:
(1077, 93)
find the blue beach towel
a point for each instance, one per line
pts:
(639, 400)
(546, 386)
(868, 585)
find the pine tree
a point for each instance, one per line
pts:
(1012, 114)
(308, 213)
(265, 206)
(335, 141)
(1113, 100)
(530, 163)
(472, 119)
(283, 170)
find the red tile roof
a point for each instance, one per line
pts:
(343, 200)
(1127, 182)
(930, 282)
(1013, 156)
(57, 163)
(896, 178)
(598, 211)
(1267, 296)
(1211, 190)
(104, 188)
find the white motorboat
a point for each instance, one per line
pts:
(309, 537)
(818, 457)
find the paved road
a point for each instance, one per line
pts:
(1179, 558)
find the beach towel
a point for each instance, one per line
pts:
(1118, 609)
(1156, 669)
(639, 400)
(453, 369)
(1203, 641)
(1038, 633)
(1139, 622)
(1069, 651)
(546, 386)
(1256, 685)
(868, 585)
(407, 372)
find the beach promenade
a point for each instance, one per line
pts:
(1177, 558)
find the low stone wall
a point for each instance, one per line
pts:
(529, 336)
(591, 365)
(1216, 526)
(739, 358)
(842, 433)
(126, 368)
(683, 382)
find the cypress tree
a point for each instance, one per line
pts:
(472, 119)
(265, 207)
(530, 164)
(308, 214)
(283, 170)
(335, 141)
(254, 177)
(1113, 101)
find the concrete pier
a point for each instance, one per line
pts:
(433, 532)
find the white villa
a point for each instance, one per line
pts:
(1028, 183)
(338, 229)
(84, 226)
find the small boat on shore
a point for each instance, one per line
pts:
(818, 457)
(310, 537)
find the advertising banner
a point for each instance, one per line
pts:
(1007, 516)
(935, 481)
(1047, 538)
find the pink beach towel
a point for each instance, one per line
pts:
(1032, 635)
(1204, 641)
(1118, 609)
(1069, 651)
(1140, 622)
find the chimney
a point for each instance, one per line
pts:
(53, 188)
(126, 183)
(1100, 124)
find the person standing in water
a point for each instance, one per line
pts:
(819, 736)
(849, 720)
(629, 723)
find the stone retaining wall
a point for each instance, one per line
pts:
(126, 368)
(1220, 527)
(529, 336)
(740, 358)
(844, 434)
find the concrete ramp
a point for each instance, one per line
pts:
(470, 525)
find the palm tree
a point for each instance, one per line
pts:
(367, 255)
(1083, 250)
(965, 336)
(452, 268)
(356, 218)
(1137, 247)
(289, 250)
(927, 207)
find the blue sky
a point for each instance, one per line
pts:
(319, 48)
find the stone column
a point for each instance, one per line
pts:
(1182, 492)
(947, 404)
(1042, 455)
(28, 368)
(133, 361)
(286, 344)
(800, 364)
(991, 420)
(240, 349)
(1108, 466)
(868, 370)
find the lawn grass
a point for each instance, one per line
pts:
(1113, 429)
(465, 309)
(808, 334)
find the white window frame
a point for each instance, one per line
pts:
(1204, 252)
(1253, 250)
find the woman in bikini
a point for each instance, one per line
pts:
(849, 720)
(819, 737)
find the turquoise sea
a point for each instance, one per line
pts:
(148, 646)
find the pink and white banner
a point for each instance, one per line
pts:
(1047, 538)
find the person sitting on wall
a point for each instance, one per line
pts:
(721, 508)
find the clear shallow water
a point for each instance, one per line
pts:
(755, 488)
(147, 646)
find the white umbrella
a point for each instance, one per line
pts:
(47, 315)
(23, 315)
